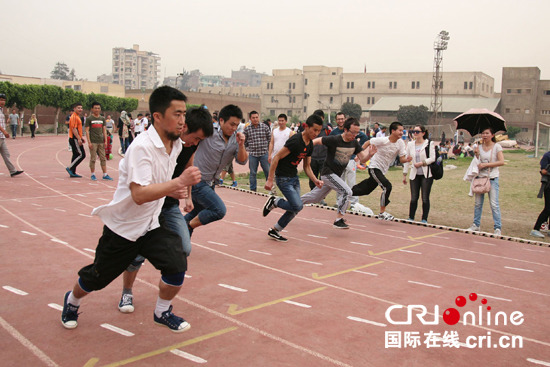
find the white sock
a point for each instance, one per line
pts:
(162, 306)
(73, 300)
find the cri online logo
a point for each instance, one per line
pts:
(451, 316)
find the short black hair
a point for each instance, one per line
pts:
(319, 113)
(199, 118)
(395, 125)
(314, 119)
(282, 115)
(253, 113)
(349, 122)
(95, 103)
(74, 105)
(340, 113)
(230, 111)
(162, 97)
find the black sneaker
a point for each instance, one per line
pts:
(340, 224)
(269, 205)
(126, 304)
(16, 173)
(171, 321)
(275, 235)
(69, 316)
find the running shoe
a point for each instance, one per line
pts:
(93, 177)
(385, 216)
(473, 228)
(69, 316)
(275, 235)
(126, 304)
(536, 233)
(269, 205)
(171, 321)
(340, 224)
(107, 177)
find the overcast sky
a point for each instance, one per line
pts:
(217, 36)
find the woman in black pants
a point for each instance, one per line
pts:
(420, 176)
(544, 190)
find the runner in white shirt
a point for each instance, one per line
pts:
(387, 150)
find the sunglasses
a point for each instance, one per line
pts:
(417, 131)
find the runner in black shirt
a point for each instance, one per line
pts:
(284, 167)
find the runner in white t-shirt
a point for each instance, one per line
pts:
(388, 148)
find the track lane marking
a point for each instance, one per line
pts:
(372, 253)
(519, 269)
(188, 356)
(365, 321)
(117, 330)
(233, 308)
(425, 284)
(317, 276)
(15, 290)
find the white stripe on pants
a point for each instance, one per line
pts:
(330, 182)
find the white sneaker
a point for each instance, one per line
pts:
(473, 228)
(385, 216)
(536, 233)
(498, 232)
(360, 208)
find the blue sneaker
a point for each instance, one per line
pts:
(221, 182)
(235, 183)
(171, 321)
(69, 316)
(93, 177)
(107, 177)
(71, 172)
(424, 221)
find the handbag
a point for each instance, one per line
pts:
(436, 167)
(482, 185)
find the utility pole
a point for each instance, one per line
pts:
(440, 44)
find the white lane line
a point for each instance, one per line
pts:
(297, 304)
(485, 243)
(85, 215)
(55, 306)
(240, 224)
(3, 226)
(364, 272)
(29, 233)
(426, 284)
(217, 243)
(528, 249)
(260, 252)
(353, 318)
(232, 288)
(117, 329)
(536, 361)
(188, 276)
(89, 250)
(443, 238)
(361, 244)
(466, 261)
(309, 262)
(27, 344)
(60, 210)
(396, 230)
(188, 356)
(81, 195)
(411, 252)
(36, 204)
(527, 270)
(493, 297)
(15, 290)
(312, 235)
(58, 241)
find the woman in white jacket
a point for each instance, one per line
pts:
(420, 177)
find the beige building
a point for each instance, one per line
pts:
(525, 99)
(300, 92)
(135, 69)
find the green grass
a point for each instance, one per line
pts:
(450, 203)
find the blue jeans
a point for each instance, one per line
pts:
(493, 200)
(290, 188)
(253, 166)
(207, 204)
(13, 130)
(172, 219)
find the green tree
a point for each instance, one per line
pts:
(413, 115)
(512, 131)
(52, 96)
(61, 71)
(352, 110)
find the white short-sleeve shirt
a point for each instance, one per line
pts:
(386, 153)
(146, 162)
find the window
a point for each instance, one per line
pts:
(289, 85)
(471, 85)
(347, 85)
(546, 93)
(518, 91)
(417, 85)
(293, 85)
(465, 85)
(391, 85)
(267, 86)
(368, 85)
(373, 86)
(289, 99)
(271, 85)
(368, 100)
(518, 110)
(545, 112)
(77, 87)
(305, 109)
(305, 82)
(330, 85)
(527, 111)
(289, 113)
(305, 95)
(272, 99)
(294, 99)
(528, 91)
(508, 91)
(352, 99)
(507, 110)
(331, 100)
(372, 100)
(272, 112)
(347, 99)
(333, 73)
(352, 85)
(524, 130)
(104, 89)
(441, 85)
(412, 85)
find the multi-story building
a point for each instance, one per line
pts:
(300, 92)
(525, 99)
(135, 69)
(250, 77)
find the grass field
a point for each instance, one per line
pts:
(450, 203)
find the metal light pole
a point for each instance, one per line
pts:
(440, 44)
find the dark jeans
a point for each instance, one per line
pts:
(207, 205)
(543, 216)
(253, 165)
(124, 144)
(290, 188)
(420, 182)
(33, 128)
(316, 167)
(13, 131)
